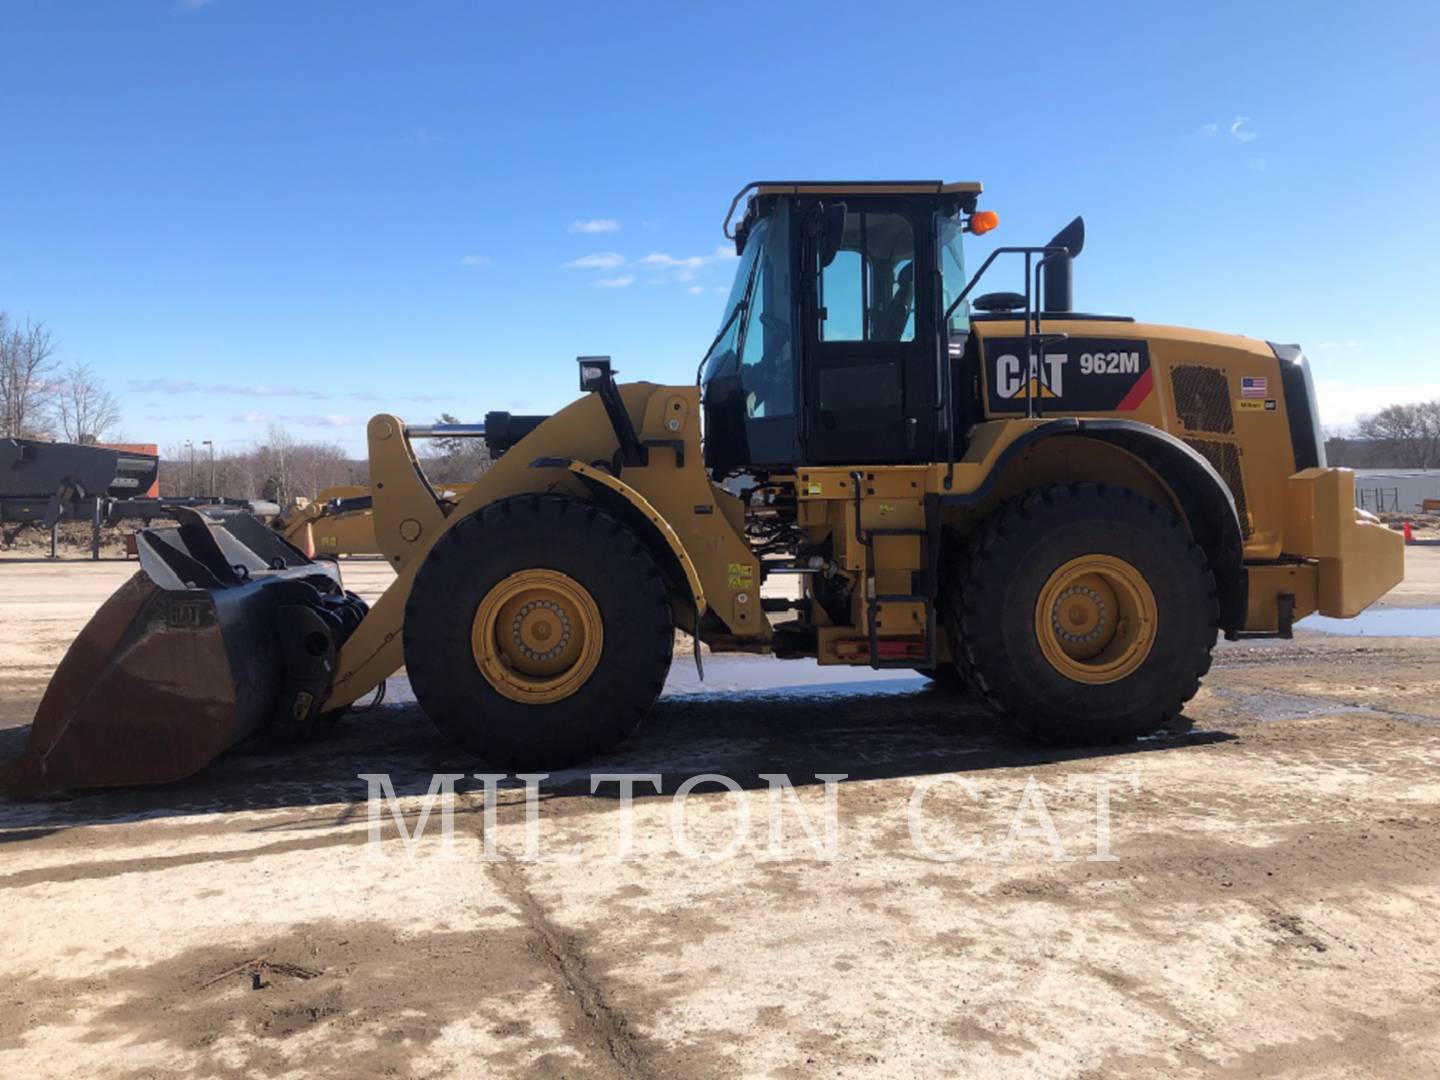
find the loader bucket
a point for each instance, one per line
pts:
(225, 631)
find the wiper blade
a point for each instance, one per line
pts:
(724, 327)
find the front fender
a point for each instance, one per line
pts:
(636, 511)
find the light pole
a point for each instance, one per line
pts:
(191, 445)
(210, 494)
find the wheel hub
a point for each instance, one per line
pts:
(537, 636)
(1095, 619)
(1079, 616)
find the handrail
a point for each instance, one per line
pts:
(1033, 314)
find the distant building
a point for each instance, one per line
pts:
(1402, 491)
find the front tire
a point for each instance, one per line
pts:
(1083, 613)
(537, 632)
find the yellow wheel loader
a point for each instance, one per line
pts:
(1057, 510)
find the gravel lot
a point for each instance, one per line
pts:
(1271, 907)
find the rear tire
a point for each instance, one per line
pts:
(510, 563)
(1083, 613)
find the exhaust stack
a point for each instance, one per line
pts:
(1058, 281)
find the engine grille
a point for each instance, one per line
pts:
(1202, 398)
(1225, 457)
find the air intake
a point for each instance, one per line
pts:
(1225, 458)
(1202, 398)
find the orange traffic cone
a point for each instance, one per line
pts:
(1409, 535)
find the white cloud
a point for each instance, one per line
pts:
(170, 417)
(193, 5)
(665, 268)
(685, 268)
(1238, 129)
(187, 386)
(476, 260)
(326, 420)
(658, 258)
(1241, 132)
(594, 226)
(722, 253)
(695, 290)
(604, 260)
(303, 420)
(365, 395)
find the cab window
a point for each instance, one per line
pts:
(867, 293)
(952, 267)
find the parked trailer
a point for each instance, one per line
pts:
(44, 483)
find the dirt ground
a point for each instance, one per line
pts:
(1271, 907)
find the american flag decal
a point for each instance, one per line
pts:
(1254, 386)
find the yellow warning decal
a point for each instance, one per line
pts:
(742, 575)
(813, 488)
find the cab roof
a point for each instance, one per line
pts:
(758, 188)
(863, 187)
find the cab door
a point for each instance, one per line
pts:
(870, 371)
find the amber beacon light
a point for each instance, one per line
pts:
(982, 221)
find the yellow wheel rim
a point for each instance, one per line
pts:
(537, 636)
(1095, 619)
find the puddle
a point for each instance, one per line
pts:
(1379, 622)
(740, 673)
(1269, 706)
(731, 674)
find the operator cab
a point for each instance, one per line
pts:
(829, 348)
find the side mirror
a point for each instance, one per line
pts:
(832, 230)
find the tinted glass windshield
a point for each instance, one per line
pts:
(767, 356)
(724, 352)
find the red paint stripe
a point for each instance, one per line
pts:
(1139, 392)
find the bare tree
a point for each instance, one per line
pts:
(455, 460)
(86, 409)
(1411, 431)
(27, 384)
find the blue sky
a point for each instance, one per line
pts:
(241, 211)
